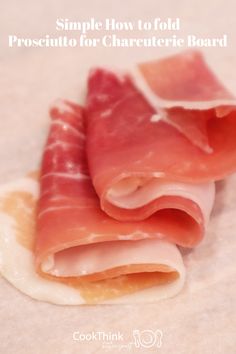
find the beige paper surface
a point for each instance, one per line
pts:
(202, 319)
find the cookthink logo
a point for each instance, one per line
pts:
(146, 338)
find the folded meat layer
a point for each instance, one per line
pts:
(140, 164)
(163, 277)
(79, 243)
(188, 93)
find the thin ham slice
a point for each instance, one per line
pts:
(77, 242)
(141, 165)
(188, 92)
(18, 203)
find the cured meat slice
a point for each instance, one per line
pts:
(188, 91)
(185, 80)
(76, 242)
(18, 204)
(140, 164)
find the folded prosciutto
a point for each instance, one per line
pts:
(139, 162)
(190, 94)
(76, 243)
(121, 183)
(163, 277)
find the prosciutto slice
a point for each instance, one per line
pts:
(141, 165)
(18, 204)
(77, 242)
(189, 92)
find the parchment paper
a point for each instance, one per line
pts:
(202, 319)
